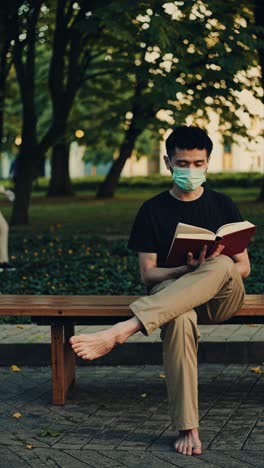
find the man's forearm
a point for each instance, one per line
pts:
(243, 269)
(156, 275)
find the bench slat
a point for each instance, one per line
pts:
(108, 306)
(89, 300)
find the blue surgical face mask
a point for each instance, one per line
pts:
(188, 179)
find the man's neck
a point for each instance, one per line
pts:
(186, 196)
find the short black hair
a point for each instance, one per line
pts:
(185, 137)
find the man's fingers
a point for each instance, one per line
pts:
(202, 254)
(190, 256)
(217, 251)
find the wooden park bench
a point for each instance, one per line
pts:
(63, 312)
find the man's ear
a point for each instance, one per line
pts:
(166, 160)
(208, 161)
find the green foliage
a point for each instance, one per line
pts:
(158, 181)
(185, 59)
(51, 263)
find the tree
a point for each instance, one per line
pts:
(7, 32)
(68, 64)
(81, 41)
(198, 53)
(24, 60)
(184, 59)
(66, 69)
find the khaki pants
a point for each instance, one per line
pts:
(213, 293)
(3, 239)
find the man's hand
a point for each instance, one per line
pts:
(195, 262)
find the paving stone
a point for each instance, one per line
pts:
(141, 459)
(254, 457)
(10, 459)
(107, 422)
(94, 458)
(180, 460)
(57, 458)
(223, 459)
(29, 457)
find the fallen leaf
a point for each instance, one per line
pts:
(29, 446)
(20, 326)
(252, 324)
(256, 370)
(143, 395)
(162, 376)
(14, 368)
(17, 415)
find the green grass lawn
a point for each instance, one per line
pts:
(99, 217)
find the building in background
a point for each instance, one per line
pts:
(242, 156)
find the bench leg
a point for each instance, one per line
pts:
(69, 357)
(63, 362)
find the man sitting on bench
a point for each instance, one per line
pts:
(208, 287)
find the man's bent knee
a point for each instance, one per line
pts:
(224, 262)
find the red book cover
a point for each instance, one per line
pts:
(234, 242)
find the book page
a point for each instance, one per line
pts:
(195, 235)
(233, 227)
(189, 229)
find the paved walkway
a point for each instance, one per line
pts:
(210, 333)
(29, 345)
(117, 417)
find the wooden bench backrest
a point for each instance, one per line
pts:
(88, 306)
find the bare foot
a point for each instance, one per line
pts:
(188, 442)
(94, 345)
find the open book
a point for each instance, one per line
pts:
(187, 238)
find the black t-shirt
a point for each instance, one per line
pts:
(157, 218)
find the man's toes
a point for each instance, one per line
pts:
(87, 357)
(77, 339)
(84, 354)
(74, 340)
(77, 347)
(189, 450)
(179, 449)
(184, 450)
(197, 451)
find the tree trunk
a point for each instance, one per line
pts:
(23, 188)
(60, 182)
(108, 187)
